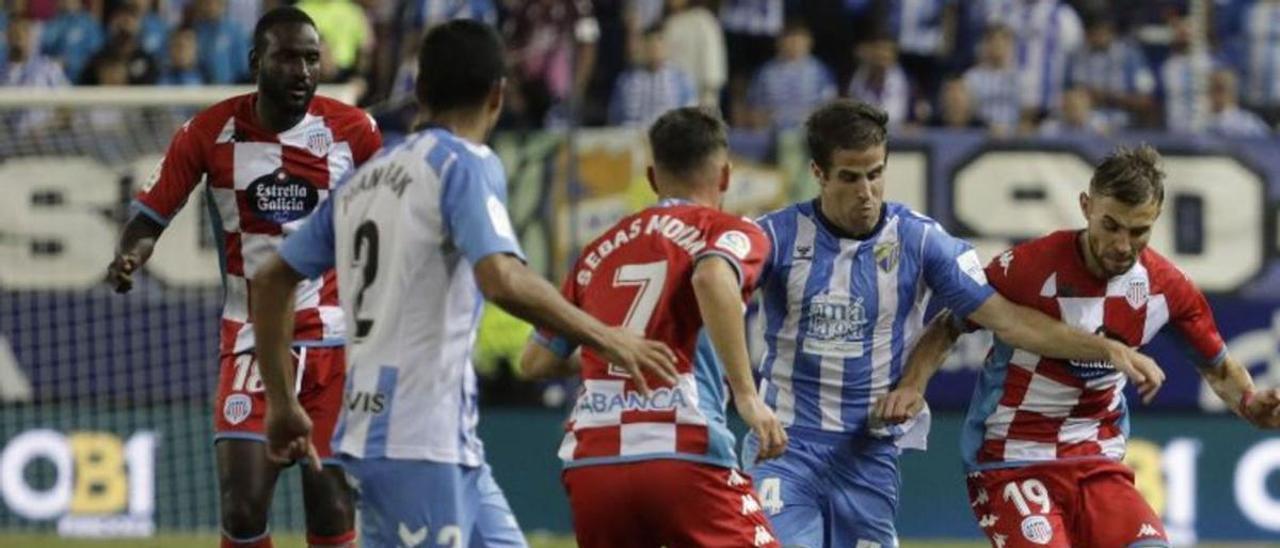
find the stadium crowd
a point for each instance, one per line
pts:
(1011, 66)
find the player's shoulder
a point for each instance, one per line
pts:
(1162, 272)
(464, 151)
(216, 118)
(785, 216)
(908, 217)
(341, 116)
(1055, 245)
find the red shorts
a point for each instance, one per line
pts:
(665, 502)
(1061, 505)
(241, 404)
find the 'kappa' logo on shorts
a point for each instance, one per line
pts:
(237, 408)
(1037, 529)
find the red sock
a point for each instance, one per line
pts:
(260, 541)
(345, 540)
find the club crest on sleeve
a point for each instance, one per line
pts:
(237, 408)
(1136, 294)
(734, 242)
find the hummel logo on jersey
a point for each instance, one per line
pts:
(412, 538)
(1147, 530)
(763, 536)
(803, 253)
(988, 521)
(736, 479)
(749, 505)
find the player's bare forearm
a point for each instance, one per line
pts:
(137, 241)
(507, 282)
(538, 362)
(1035, 332)
(930, 351)
(715, 284)
(272, 312)
(1229, 380)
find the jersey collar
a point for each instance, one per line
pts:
(670, 202)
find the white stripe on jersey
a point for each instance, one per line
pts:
(1078, 429)
(788, 335)
(1049, 397)
(224, 200)
(237, 300)
(887, 288)
(1016, 450)
(1157, 317)
(831, 369)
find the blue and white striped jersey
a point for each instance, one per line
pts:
(1119, 69)
(641, 95)
(1237, 122)
(893, 93)
(917, 25)
(1184, 82)
(1262, 74)
(404, 233)
(1046, 32)
(790, 90)
(839, 315)
(754, 17)
(995, 95)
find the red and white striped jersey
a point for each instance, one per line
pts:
(1028, 408)
(638, 274)
(261, 186)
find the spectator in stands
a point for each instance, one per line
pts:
(651, 87)
(1115, 74)
(641, 14)
(424, 14)
(1262, 71)
(1184, 80)
(1046, 32)
(181, 68)
(123, 45)
(154, 30)
(751, 27)
(696, 44)
(993, 82)
(955, 106)
(879, 79)
(345, 32)
(790, 86)
(24, 67)
(552, 45)
(925, 30)
(1076, 116)
(1225, 115)
(222, 47)
(71, 37)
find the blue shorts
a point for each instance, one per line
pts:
(430, 504)
(829, 491)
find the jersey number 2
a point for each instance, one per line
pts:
(367, 264)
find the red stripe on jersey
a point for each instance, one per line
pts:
(664, 417)
(691, 438)
(222, 172)
(1078, 449)
(1124, 320)
(1093, 404)
(301, 163)
(228, 330)
(1059, 372)
(329, 289)
(991, 451)
(251, 223)
(307, 325)
(597, 442)
(1032, 426)
(1016, 382)
(1110, 427)
(235, 259)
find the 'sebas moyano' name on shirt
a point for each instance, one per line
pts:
(686, 237)
(390, 175)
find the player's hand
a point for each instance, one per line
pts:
(1263, 409)
(767, 427)
(1141, 370)
(289, 435)
(637, 355)
(899, 405)
(120, 272)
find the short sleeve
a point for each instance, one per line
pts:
(474, 211)
(1192, 321)
(176, 176)
(366, 138)
(309, 251)
(743, 244)
(954, 272)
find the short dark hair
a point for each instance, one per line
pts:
(844, 124)
(274, 18)
(1130, 175)
(682, 139)
(458, 63)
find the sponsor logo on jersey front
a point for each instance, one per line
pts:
(836, 324)
(661, 399)
(1088, 370)
(281, 198)
(237, 408)
(1037, 529)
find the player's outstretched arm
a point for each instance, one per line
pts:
(538, 362)
(1035, 332)
(288, 426)
(508, 283)
(1232, 382)
(715, 283)
(137, 241)
(907, 399)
